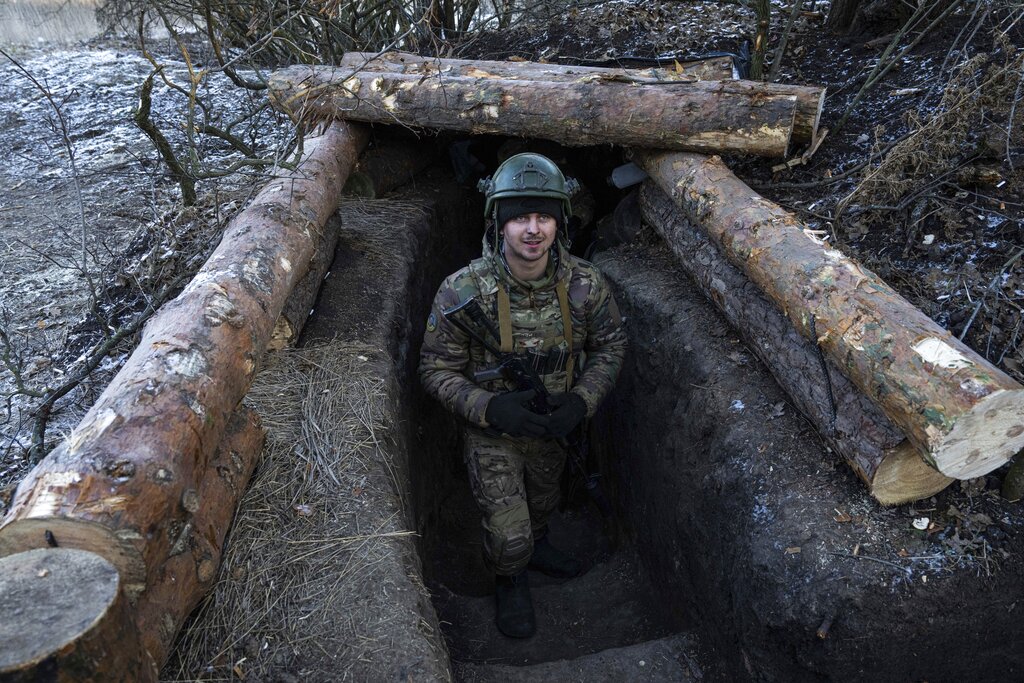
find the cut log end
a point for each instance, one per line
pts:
(983, 439)
(69, 533)
(903, 477)
(65, 619)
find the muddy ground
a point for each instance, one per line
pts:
(106, 233)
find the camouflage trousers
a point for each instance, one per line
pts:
(516, 485)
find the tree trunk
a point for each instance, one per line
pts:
(121, 485)
(810, 99)
(841, 15)
(192, 567)
(870, 443)
(733, 116)
(710, 69)
(66, 620)
(299, 305)
(963, 414)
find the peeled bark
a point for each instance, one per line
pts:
(66, 620)
(710, 69)
(964, 415)
(810, 99)
(121, 484)
(189, 573)
(728, 116)
(299, 305)
(869, 442)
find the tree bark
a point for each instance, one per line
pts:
(299, 305)
(810, 99)
(963, 414)
(66, 620)
(121, 484)
(731, 116)
(189, 573)
(875, 449)
(711, 69)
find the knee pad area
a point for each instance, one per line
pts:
(508, 540)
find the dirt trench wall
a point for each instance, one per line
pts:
(373, 307)
(760, 536)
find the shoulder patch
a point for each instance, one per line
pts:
(432, 322)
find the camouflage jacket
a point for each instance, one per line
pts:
(450, 357)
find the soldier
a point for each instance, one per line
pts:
(557, 312)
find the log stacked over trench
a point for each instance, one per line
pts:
(595, 108)
(128, 484)
(876, 450)
(810, 99)
(963, 415)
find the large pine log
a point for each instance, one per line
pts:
(189, 572)
(810, 99)
(299, 305)
(876, 450)
(730, 116)
(121, 485)
(65, 619)
(710, 69)
(963, 414)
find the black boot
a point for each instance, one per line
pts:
(549, 560)
(514, 607)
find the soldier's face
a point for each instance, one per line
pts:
(529, 237)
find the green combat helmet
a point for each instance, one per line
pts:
(528, 175)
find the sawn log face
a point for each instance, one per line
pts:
(733, 116)
(120, 485)
(861, 434)
(961, 412)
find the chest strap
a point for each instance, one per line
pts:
(505, 326)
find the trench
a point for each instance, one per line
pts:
(613, 615)
(723, 559)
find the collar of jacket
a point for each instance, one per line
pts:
(558, 266)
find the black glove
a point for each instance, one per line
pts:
(507, 413)
(569, 411)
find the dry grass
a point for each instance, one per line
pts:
(308, 574)
(977, 98)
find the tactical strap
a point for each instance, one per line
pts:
(505, 326)
(563, 303)
(505, 320)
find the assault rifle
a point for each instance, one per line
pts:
(513, 368)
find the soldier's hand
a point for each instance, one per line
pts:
(508, 413)
(569, 411)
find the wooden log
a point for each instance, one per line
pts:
(66, 619)
(731, 116)
(810, 99)
(121, 484)
(876, 450)
(710, 69)
(964, 415)
(189, 573)
(299, 305)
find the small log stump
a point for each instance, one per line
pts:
(66, 619)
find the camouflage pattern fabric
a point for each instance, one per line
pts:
(516, 480)
(516, 486)
(450, 358)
